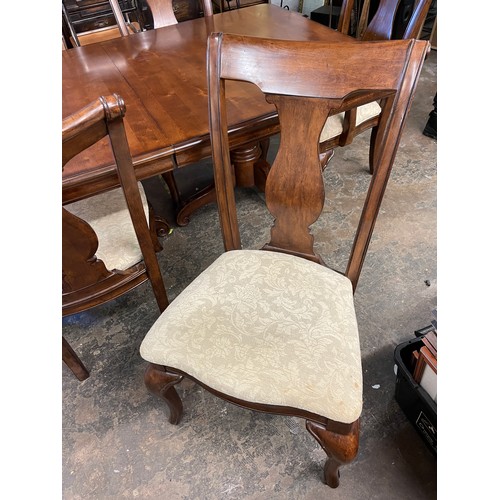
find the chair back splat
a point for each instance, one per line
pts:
(164, 15)
(275, 330)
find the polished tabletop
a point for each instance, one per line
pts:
(161, 75)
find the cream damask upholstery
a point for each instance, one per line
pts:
(334, 123)
(266, 327)
(108, 215)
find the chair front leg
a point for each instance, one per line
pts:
(340, 443)
(161, 383)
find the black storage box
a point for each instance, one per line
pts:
(418, 406)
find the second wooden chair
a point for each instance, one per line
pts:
(342, 128)
(108, 246)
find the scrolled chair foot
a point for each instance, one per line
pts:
(161, 383)
(340, 443)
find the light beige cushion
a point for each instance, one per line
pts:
(266, 327)
(333, 125)
(108, 215)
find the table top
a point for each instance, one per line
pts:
(161, 75)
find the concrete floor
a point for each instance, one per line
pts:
(117, 442)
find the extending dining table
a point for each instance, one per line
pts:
(161, 75)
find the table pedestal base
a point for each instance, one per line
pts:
(250, 170)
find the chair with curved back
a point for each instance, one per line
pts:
(341, 129)
(275, 330)
(108, 245)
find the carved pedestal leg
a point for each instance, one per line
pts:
(171, 183)
(158, 228)
(161, 383)
(163, 228)
(243, 160)
(200, 199)
(340, 443)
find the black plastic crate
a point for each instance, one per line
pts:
(418, 406)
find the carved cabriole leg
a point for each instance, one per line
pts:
(340, 443)
(161, 383)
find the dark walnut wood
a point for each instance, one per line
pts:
(86, 281)
(305, 81)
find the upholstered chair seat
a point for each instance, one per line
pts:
(109, 217)
(334, 124)
(266, 327)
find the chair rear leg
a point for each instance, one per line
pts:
(341, 448)
(161, 383)
(73, 362)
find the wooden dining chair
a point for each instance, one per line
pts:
(342, 128)
(108, 245)
(275, 330)
(123, 27)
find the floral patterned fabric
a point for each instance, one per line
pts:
(333, 125)
(108, 215)
(266, 327)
